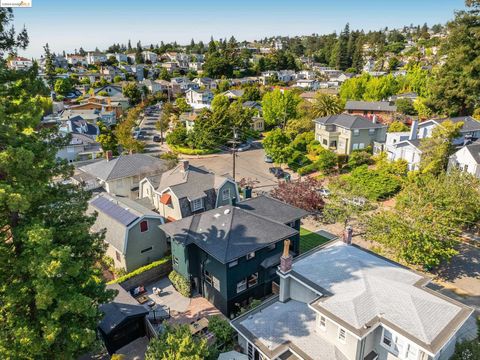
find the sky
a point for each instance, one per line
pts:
(67, 25)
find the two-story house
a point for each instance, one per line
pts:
(186, 190)
(230, 254)
(341, 302)
(384, 110)
(121, 175)
(467, 159)
(345, 133)
(198, 97)
(133, 231)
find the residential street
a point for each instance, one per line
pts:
(148, 127)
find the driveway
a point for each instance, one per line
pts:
(250, 164)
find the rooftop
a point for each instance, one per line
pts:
(228, 233)
(348, 121)
(370, 106)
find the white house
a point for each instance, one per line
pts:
(20, 63)
(95, 57)
(467, 159)
(120, 57)
(198, 97)
(75, 59)
(149, 56)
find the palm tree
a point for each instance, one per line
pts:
(325, 104)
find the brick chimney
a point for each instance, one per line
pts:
(286, 258)
(347, 235)
(108, 155)
(185, 165)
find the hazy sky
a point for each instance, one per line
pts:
(67, 25)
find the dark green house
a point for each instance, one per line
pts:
(230, 254)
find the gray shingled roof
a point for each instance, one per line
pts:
(360, 287)
(125, 166)
(474, 150)
(123, 307)
(348, 121)
(469, 123)
(227, 233)
(273, 209)
(370, 106)
(191, 183)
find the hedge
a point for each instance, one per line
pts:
(140, 270)
(180, 283)
(188, 151)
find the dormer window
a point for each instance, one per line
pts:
(225, 194)
(197, 204)
(144, 226)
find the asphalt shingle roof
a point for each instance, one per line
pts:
(348, 121)
(125, 166)
(469, 123)
(271, 208)
(227, 233)
(370, 106)
(474, 150)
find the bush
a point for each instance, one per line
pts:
(140, 270)
(180, 283)
(307, 169)
(359, 158)
(222, 330)
(188, 151)
(298, 160)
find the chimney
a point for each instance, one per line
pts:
(286, 258)
(108, 155)
(413, 130)
(185, 165)
(374, 119)
(347, 235)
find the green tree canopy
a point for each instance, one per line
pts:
(133, 93)
(279, 107)
(397, 126)
(276, 145)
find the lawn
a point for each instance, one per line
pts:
(309, 240)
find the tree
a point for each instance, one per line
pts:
(276, 145)
(51, 288)
(177, 343)
(49, 66)
(107, 139)
(302, 193)
(467, 350)
(182, 105)
(123, 132)
(405, 106)
(63, 86)
(397, 126)
(178, 136)
(224, 333)
(326, 161)
(252, 93)
(133, 93)
(437, 149)
(325, 104)
(456, 89)
(164, 75)
(278, 107)
(117, 79)
(359, 158)
(164, 119)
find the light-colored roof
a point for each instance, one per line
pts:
(370, 106)
(360, 287)
(125, 166)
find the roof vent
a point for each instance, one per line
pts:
(216, 216)
(227, 211)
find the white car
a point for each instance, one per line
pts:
(324, 192)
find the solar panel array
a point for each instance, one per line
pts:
(115, 211)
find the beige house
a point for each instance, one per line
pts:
(121, 175)
(345, 133)
(341, 302)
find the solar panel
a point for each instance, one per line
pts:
(114, 210)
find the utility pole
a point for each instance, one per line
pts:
(235, 135)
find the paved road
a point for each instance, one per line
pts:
(148, 127)
(249, 164)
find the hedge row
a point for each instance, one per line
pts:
(180, 283)
(188, 151)
(152, 265)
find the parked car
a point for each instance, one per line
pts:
(157, 138)
(277, 172)
(268, 159)
(243, 147)
(140, 135)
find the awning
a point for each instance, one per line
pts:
(166, 199)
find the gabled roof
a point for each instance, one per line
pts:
(348, 121)
(228, 233)
(474, 150)
(469, 123)
(125, 166)
(123, 307)
(370, 106)
(234, 93)
(191, 183)
(274, 209)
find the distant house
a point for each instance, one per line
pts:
(132, 232)
(469, 132)
(20, 63)
(307, 84)
(258, 123)
(111, 90)
(230, 254)
(186, 190)
(233, 94)
(81, 147)
(341, 302)
(121, 175)
(188, 119)
(76, 124)
(383, 110)
(467, 159)
(95, 57)
(345, 133)
(205, 82)
(308, 96)
(198, 97)
(149, 56)
(75, 59)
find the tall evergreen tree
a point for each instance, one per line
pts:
(50, 288)
(49, 67)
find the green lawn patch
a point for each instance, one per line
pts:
(309, 240)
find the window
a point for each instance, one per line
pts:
(226, 194)
(241, 285)
(322, 322)
(207, 277)
(387, 338)
(118, 256)
(356, 132)
(342, 335)
(361, 146)
(250, 255)
(355, 146)
(233, 263)
(215, 283)
(144, 226)
(371, 132)
(197, 204)
(465, 168)
(411, 352)
(325, 142)
(175, 261)
(147, 249)
(252, 280)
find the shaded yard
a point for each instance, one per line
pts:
(309, 240)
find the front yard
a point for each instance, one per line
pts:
(309, 240)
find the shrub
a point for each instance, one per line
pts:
(359, 158)
(307, 169)
(188, 151)
(181, 284)
(222, 330)
(297, 160)
(327, 161)
(141, 270)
